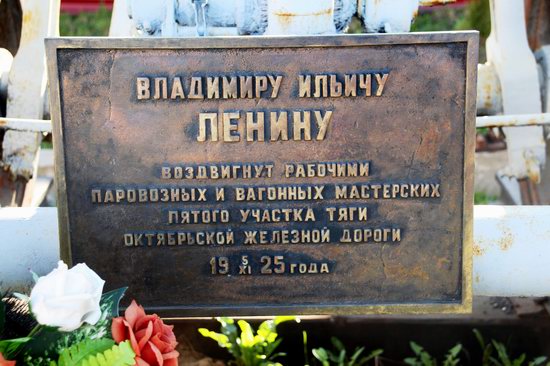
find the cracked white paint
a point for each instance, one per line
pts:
(298, 17)
(178, 18)
(511, 251)
(20, 152)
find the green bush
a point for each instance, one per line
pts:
(247, 348)
(85, 23)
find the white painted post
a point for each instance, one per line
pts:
(514, 62)
(27, 88)
(387, 15)
(300, 17)
(121, 24)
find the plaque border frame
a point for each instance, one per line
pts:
(471, 38)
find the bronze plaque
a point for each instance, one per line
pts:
(260, 176)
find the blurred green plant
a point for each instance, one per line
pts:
(247, 348)
(438, 19)
(482, 198)
(502, 358)
(477, 16)
(339, 355)
(85, 23)
(423, 358)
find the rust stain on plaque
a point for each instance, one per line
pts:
(260, 176)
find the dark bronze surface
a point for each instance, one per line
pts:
(418, 131)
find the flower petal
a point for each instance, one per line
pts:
(118, 330)
(133, 313)
(141, 362)
(171, 362)
(144, 336)
(141, 323)
(170, 355)
(66, 298)
(125, 333)
(151, 354)
(163, 346)
(4, 362)
(92, 317)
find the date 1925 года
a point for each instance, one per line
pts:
(268, 265)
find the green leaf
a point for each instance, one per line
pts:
(76, 354)
(43, 341)
(455, 350)
(320, 354)
(280, 319)
(337, 344)
(372, 355)
(479, 338)
(229, 329)
(519, 360)
(417, 349)
(306, 353)
(119, 355)
(502, 353)
(247, 335)
(22, 297)
(356, 355)
(110, 301)
(222, 339)
(267, 329)
(486, 348)
(35, 277)
(538, 361)
(11, 347)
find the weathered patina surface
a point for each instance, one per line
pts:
(250, 176)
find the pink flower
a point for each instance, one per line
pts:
(4, 362)
(153, 341)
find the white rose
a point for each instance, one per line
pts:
(67, 298)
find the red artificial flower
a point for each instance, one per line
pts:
(4, 362)
(153, 342)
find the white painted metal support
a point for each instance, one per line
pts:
(515, 64)
(27, 79)
(299, 17)
(27, 87)
(23, 124)
(489, 92)
(511, 248)
(121, 24)
(188, 18)
(514, 120)
(385, 16)
(28, 240)
(511, 251)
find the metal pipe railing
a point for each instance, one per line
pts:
(511, 252)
